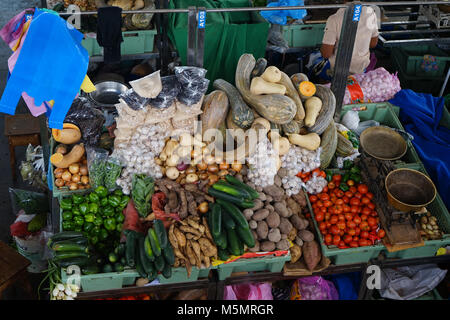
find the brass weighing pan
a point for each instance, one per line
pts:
(383, 143)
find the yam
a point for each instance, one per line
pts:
(306, 236)
(262, 230)
(260, 214)
(273, 220)
(274, 235)
(311, 254)
(267, 246)
(285, 226)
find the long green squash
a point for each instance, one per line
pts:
(259, 68)
(292, 93)
(326, 114)
(241, 113)
(328, 143)
(291, 127)
(276, 108)
(215, 110)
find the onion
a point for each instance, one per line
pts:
(202, 166)
(182, 166)
(58, 173)
(73, 186)
(83, 170)
(203, 207)
(84, 180)
(213, 179)
(74, 168)
(66, 176)
(59, 183)
(76, 178)
(236, 166)
(213, 168)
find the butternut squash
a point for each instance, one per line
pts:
(292, 93)
(280, 144)
(310, 141)
(276, 108)
(215, 110)
(64, 161)
(264, 122)
(261, 86)
(272, 74)
(312, 106)
(66, 136)
(70, 126)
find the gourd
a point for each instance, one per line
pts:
(276, 108)
(261, 86)
(328, 143)
(310, 141)
(272, 74)
(264, 122)
(312, 106)
(64, 161)
(215, 110)
(241, 114)
(326, 114)
(291, 127)
(259, 68)
(299, 78)
(280, 144)
(344, 146)
(292, 93)
(67, 135)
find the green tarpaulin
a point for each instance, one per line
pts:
(228, 35)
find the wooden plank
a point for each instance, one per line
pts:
(20, 124)
(11, 263)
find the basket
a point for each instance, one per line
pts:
(180, 275)
(303, 35)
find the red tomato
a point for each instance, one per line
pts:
(341, 217)
(351, 232)
(323, 210)
(319, 203)
(336, 240)
(324, 196)
(364, 234)
(372, 221)
(381, 233)
(348, 238)
(348, 194)
(353, 190)
(369, 195)
(341, 244)
(365, 200)
(364, 226)
(354, 209)
(336, 178)
(354, 244)
(371, 206)
(373, 213)
(357, 231)
(362, 188)
(334, 230)
(346, 208)
(328, 238)
(346, 199)
(313, 198)
(319, 216)
(334, 219)
(339, 193)
(328, 225)
(364, 217)
(366, 211)
(358, 195)
(325, 189)
(351, 183)
(357, 220)
(327, 216)
(375, 227)
(348, 216)
(331, 185)
(351, 224)
(354, 202)
(327, 203)
(323, 226)
(339, 202)
(356, 238)
(363, 243)
(342, 233)
(338, 210)
(341, 225)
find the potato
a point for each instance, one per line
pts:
(273, 219)
(262, 196)
(282, 172)
(269, 207)
(255, 248)
(296, 253)
(269, 199)
(311, 254)
(274, 235)
(285, 226)
(275, 192)
(294, 206)
(300, 198)
(281, 208)
(267, 246)
(284, 237)
(258, 205)
(283, 245)
(260, 214)
(277, 181)
(298, 241)
(248, 213)
(262, 230)
(306, 235)
(253, 224)
(141, 282)
(298, 222)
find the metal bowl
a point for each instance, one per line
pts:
(409, 190)
(383, 143)
(107, 93)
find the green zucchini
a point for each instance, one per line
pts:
(246, 236)
(79, 240)
(225, 196)
(236, 182)
(216, 219)
(169, 255)
(223, 254)
(91, 268)
(233, 242)
(64, 246)
(145, 262)
(77, 261)
(65, 235)
(154, 243)
(231, 190)
(130, 249)
(161, 233)
(234, 212)
(69, 255)
(107, 268)
(159, 263)
(227, 221)
(167, 271)
(148, 249)
(118, 267)
(139, 266)
(241, 246)
(221, 240)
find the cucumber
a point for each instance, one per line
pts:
(148, 249)
(91, 268)
(118, 267)
(130, 249)
(225, 196)
(139, 267)
(107, 268)
(233, 242)
(216, 219)
(234, 181)
(241, 246)
(169, 255)
(112, 257)
(159, 263)
(69, 246)
(223, 254)
(221, 240)
(65, 235)
(227, 221)
(246, 236)
(120, 249)
(167, 271)
(161, 233)
(234, 212)
(79, 240)
(78, 261)
(69, 255)
(154, 243)
(145, 262)
(232, 190)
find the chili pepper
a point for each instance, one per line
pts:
(98, 221)
(93, 207)
(68, 225)
(67, 215)
(118, 192)
(89, 217)
(84, 208)
(101, 191)
(348, 164)
(103, 235)
(66, 204)
(344, 187)
(76, 211)
(79, 221)
(124, 202)
(355, 177)
(114, 201)
(88, 226)
(77, 199)
(93, 197)
(103, 202)
(109, 211)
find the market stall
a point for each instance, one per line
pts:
(187, 181)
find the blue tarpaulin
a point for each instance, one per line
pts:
(420, 114)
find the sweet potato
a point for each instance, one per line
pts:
(311, 254)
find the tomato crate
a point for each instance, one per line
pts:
(386, 114)
(180, 275)
(104, 281)
(303, 35)
(264, 263)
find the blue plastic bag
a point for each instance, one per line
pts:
(280, 16)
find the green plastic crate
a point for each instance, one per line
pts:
(105, 281)
(410, 59)
(180, 275)
(134, 42)
(265, 263)
(386, 114)
(303, 35)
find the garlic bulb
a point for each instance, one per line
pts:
(262, 164)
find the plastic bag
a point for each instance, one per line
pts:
(29, 201)
(86, 117)
(317, 288)
(170, 91)
(365, 125)
(96, 161)
(275, 39)
(280, 16)
(193, 84)
(133, 100)
(351, 120)
(250, 291)
(113, 169)
(149, 86)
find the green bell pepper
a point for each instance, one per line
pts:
(78, 228)
(109, 211)
(96, 230)
(118, 192)
(76, 211)
(89, 217)
(67, 215)
(101, 191)
(103, 235)
(356, 177)
(124, 202)
(103, 202)
(84, 208)
(98, 221)
(88, 227)
(329, 176)
(77, 199)
(109, 224)
(343, 186)
(93, 208)
(114, 201)
(355, 169)
(79, 221)
(93, 197)
(120, 218)
(68, 225)
(66, 204)
(94, 240)
(346, 177)
(119, 227)
(348, 164)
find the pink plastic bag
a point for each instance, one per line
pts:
(251, 291)
(317, 288)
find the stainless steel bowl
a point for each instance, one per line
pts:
(107, 93)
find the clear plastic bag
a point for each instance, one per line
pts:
(133, 100)
(113, 169)
(250, 291)
(193, 84)
(317, 288)
(86, 117)
(96, 161)
(170, 91)
(29, 201)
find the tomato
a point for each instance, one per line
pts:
(334, 230)
(363, 242)
(366, 211)
(348, 216)
(312, 198)
(327, 216)
(348, 238)
(354, 209)
(339, 202)
(341, 217)
(331, 185)
(373, 213)
(364, 217)
(375, 227)
(324, 196)
(369, 195)
(336, 178)
(371, 206)
(325, 189)
(323, 226)
(372, 221)
(319, 203)
(334, 219)
(381, 233)
(328, 238)
(339, 209)
(354, 244)
(365, 200)
(328, 225)
(364, 226)
(358, 195)
(342, 233)
(322, 174)
(357, 220)
(349, 194)
(319, 216)
(354, 202)
(356, 239)
(346, 208)
(323, 210)
(346, 199)
(351, 232)
(339, 193)
(351, 183)
(341, 244)
(351, 224)
(336, 240)
(357, 231)
(341, 225)
(308, 215)
(363, 189)
(364, 234)
(327, 203)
